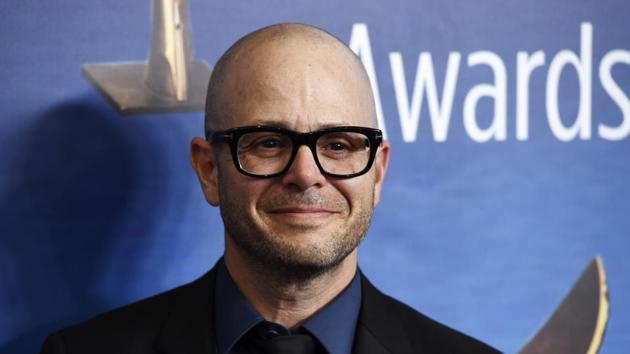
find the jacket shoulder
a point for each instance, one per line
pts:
(132, 328)
(395, 319)
(437, 335)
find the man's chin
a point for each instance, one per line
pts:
(293, 253)
(307, 266)
(303, 225)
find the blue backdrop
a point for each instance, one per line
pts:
(508, 178)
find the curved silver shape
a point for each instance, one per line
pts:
(578, 324)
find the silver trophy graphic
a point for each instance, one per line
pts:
(170, 81)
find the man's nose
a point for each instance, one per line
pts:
(304, 172)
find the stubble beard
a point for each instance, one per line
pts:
(276, 252)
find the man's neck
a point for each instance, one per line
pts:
(289, 302)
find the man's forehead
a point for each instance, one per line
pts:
(297, 105)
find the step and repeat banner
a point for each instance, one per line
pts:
(510, 169)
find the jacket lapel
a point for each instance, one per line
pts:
(190, 326)
(366, 343)
(379, 330)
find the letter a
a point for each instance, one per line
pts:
(360, 44)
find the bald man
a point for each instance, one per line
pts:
(295, 162)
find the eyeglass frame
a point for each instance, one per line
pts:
(232, 136)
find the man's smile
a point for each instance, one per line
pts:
(302, 214)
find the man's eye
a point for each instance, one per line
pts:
(269, 143)
(337, 146)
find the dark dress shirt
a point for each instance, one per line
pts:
(333, 326)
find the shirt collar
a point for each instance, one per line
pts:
(234, 315)
(333, 326)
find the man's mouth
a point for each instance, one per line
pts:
(303, 213)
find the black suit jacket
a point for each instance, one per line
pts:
(181, 321)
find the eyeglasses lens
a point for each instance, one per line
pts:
(343, 153)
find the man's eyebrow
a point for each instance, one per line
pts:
(285, 125)
(332, 125)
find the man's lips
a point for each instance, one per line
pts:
(303, 212)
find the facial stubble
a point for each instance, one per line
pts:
(276, 249)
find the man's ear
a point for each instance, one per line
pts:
(381, 162)
(205, 165)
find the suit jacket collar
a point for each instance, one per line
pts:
(190, 325)
(379, 331)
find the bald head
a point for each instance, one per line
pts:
(292, 66)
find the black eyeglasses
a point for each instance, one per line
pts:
(263, 151)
